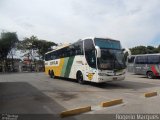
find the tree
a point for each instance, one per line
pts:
(151, 49)
(144, 50)
(27, 46)
(8, 41)
(158, 48)
(43, 46)
(138, 50)
(33, 45)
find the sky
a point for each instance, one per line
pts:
(133, 22)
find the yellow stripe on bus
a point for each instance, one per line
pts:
(57, 69)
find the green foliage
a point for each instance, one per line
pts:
(8, 41)
(144, 50)
(43, 46)
(158, 49)
(33, 43)
(27, 43)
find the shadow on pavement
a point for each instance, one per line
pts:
(116, 84)
(124, 85)
(23, 99)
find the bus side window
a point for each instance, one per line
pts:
(46, 57)
(78, 47)
(149, 59)
(49, 56)
(153, 59)
(137, 60)
(141, 60)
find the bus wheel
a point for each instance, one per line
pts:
(52, 74)
(80, 77)
(150, 75)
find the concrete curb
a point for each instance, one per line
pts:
(150, 94)
(75, 111)
(111, 103)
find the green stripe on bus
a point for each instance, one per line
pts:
(64, 67)
(69, 65)
(157, 68)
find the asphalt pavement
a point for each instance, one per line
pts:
(36, 93)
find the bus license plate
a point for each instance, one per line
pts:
(115, 78)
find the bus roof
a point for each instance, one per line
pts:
(58, 47)
(98, 37)
(146, 54)
(65, 45)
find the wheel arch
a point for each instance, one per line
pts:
(151, 75)
(149, 71)
(79, 71)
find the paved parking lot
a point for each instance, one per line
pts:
(36, 93)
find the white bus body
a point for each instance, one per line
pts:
(92, 59)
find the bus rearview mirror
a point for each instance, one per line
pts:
(126, 50)
(98, 52)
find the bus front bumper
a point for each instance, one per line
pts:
(110, 78)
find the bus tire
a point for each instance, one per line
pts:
(79, 77)
(150, 75)
(52, 74)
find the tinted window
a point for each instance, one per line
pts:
(153, 59)
(79, 48)
(141, 60)
(76, 49)
(90, 53)
(45, 57)
(72, 50)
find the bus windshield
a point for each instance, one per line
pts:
(111, 60)
(112, 57)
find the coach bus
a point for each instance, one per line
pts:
(91, 59)
(146, 64)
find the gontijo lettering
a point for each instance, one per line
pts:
(55, 62)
